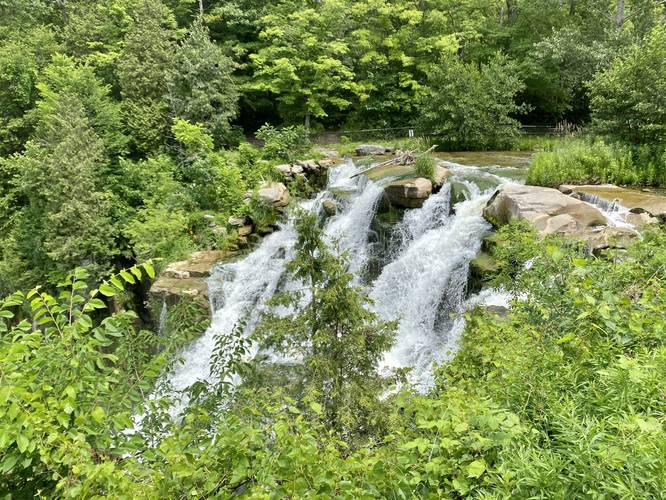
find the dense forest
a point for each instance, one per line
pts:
(136, 132)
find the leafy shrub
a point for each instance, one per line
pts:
(580, 360)
(425, 167)
(284, 143)
(582, 162)
(627, 98)
(470, 107)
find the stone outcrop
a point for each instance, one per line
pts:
(187, 278)
(440, 176)
(303, 168)
(636, 201)
(274, 194)
(551, 211)
(409, 193)
(372, 149)
(609, 237)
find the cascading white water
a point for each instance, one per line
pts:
(424, 287)
(240, 290)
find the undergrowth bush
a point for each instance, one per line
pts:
(584, 162)
(284, 143)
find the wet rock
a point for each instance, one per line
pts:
(440, 176)
(275, 194)
(548, 209)
(372, 149)
(330, 207)
(637, 201)
(327, 163)
(409, 193)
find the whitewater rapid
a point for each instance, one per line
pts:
(423, 286)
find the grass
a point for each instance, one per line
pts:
(597, 162)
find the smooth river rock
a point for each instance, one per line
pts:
(551, 211)
(409, 193)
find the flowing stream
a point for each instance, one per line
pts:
(422, 285)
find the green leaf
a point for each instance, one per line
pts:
(476, 468)
(98, 414)
(117, 283)
(6, 314)
(136, 272)
(149, 270)
(107, 290)
(22, 442)
(316, 407)
(127, 277)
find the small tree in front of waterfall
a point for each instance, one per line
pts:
(338, 338)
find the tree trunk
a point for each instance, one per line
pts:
(619, 14)
(511, 11)
(201, 9)
(307, 121)
(572, 7)
(501, 16)
(63, 11)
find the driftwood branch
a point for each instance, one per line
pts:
(401, 158)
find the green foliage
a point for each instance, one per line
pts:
(66, 392)
(23, 56)
(143, 66)
(472, 107)
(627, 99)
(584, 162)
(64, 79)
(53, 231)
(425, 167)
(284, 143)
(201, 87)
(584, 323)
(302, 62)
(339, 339)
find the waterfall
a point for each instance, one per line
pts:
(424, 286)
(161, 325)
(242, 288)
(612, 210)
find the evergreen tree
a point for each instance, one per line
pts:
(64, 220)
(201, 87)
(339, 339)
(145, 61)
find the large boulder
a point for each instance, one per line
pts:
(372, 149)
(548, 209)
(409, 193)
(274, 194)
(636, 201)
